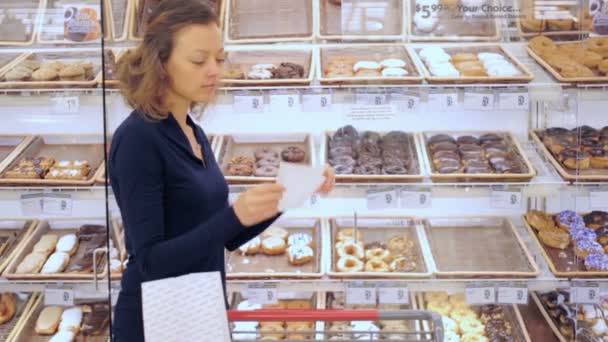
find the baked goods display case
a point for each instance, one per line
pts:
(469, 140)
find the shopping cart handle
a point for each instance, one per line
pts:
(290, 315)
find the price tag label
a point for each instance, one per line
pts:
(382, 199)
(248, 104)
(314, 201)
(513, 294)
(65, 104)
(316, 102)
(31, 204)
(506, 199)
(57, 204)
(585, 293)
(405, 103)
(480, 294)
(371, 99)
(598, 199)
(514, 100)
(60, 297)
(478, 101)
(284, 101)
(443, 101)
(393, 293)
(263, 294)
(360, 294)
(415, 198)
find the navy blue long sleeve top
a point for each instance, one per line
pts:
(174, 208)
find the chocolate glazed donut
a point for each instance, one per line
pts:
(293, 154)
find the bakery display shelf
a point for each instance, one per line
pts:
(434, 301)
(450, 24)
(26, 330)
(11, 146)
(569, 175)
(61, 148)
(241, 60)
(13, 234)
(72, 59)
(86, 262)
(401, 244)
(478, 247)
(362, 22)
(24, 303)
(268, 21)
(525, 75)
(558, 76)
(352, 53)
(118, 15)
(245, 145)
(413, 174)
(526, 170)
(27, 14)
(56, 17)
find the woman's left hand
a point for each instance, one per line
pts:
(330, 181)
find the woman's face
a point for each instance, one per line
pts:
(194, 65)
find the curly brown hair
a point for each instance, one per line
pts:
(143, 79)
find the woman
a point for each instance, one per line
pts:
(171, 192)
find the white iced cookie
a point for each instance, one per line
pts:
(263, 66)
(489, 56)
(248, 306)
(259, 74)
(251, 247)
(503, 71)
(299, 239)
(370, 65)
(63, 336)
(434, 55)
(56, 263)
(71, 319)
(394, 72)
(444, 70)
(115, 266)
(393, 63)
(67, 244)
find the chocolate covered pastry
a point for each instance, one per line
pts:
(91, 237)
(288, 70)
(96, 319)
(581, 148)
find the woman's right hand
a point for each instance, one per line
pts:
(258, 203)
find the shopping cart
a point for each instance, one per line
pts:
(432, 332)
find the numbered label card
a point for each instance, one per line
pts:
(60, 297)
(480, 294)
(371, 99)
(360, 294)
(512, 294)
(585, 293)
(478, 101)
(65, 104)
(248, 104)
(505, 198)
(514, 100)
(263, 294)
(415, 198)
(378, 199)
(282, 102)
(31, 204)
(405, 102)
(598, 199)
(393, 293)
(57, 204)
(442, 102)
(316, 102)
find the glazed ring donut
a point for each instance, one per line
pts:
(472, 326)
(590, 59)
(350, 248)
(376, 265)
(293, 154)
(598, 45)
(399, 244)
(442, 308)
(603, 66)
(264, 153)
(377, 253)
(350, 264)
(403, 264)
(542, 44)
(266, 171)
(461, 314)
(347, 234)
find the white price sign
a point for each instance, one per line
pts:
(480, 295)
(405, 103)
(513, 294)
(370, 99)
(506, 199)
(316, 102)
(478, 101)
(284, 101)
(31, 204)
(65, 104)
(57, 204)
(415, 198)
(598, 199)
(585, 293)
(360, 294)
(60, 297)
(382, 199)
(248, 104)
(514, 100)
(263, 294)
(443, 101)
(397, 294)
